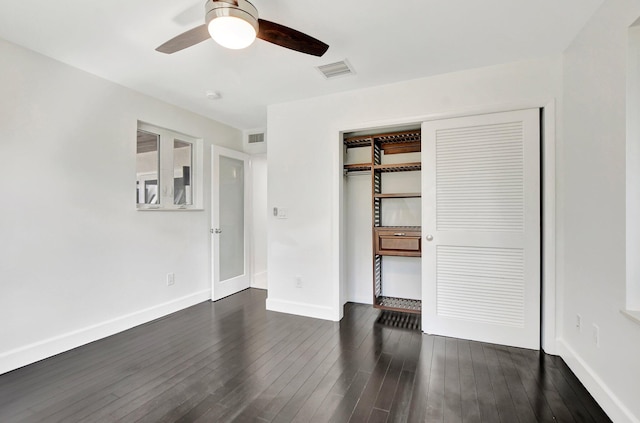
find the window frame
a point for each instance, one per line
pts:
(166, 173)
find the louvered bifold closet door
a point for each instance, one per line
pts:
(481, 223)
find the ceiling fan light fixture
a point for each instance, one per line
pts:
(233, 26)
(231, 32)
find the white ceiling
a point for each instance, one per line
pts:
(384, 41)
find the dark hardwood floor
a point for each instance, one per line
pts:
(234, 361)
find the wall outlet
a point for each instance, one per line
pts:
(171, 279)
(579, 322)
(298, 281)
(596, 335)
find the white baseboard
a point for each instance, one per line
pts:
(32, 353)
(260, 280)
(302, 309)
(360, 300)
(609, 402)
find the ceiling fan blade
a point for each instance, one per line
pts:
(186, 39)
(290, 38)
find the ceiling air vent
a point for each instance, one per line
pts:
(333, 70)
(256, 138)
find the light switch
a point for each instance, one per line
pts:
(282, 213)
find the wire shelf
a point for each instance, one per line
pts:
(399, 304)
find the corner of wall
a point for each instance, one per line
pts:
(303, 309)
(605, 397)
(259, 280)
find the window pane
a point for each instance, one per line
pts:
(147, 168)
(232, 260)
(182, 165)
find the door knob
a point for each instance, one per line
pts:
(429, 237)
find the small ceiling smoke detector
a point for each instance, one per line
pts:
(334, 70)
(213, 95)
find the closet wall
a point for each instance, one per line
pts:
(357, 209)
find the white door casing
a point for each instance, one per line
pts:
(230, 222)
(481, 228)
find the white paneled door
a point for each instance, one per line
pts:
(481, 228)
(229, 222)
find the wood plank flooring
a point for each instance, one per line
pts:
(232, 361)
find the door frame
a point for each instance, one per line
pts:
(548, 287)
(248, 265)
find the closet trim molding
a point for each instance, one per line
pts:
(549, 292)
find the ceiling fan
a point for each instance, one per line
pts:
(235, 24)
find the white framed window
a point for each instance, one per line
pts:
(168, 169)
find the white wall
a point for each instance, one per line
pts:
(633, 169)
(77, 260)
(592, 213)
(305, 171)
(358, 269)
(259, 220)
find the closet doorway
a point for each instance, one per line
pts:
(480, 222)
